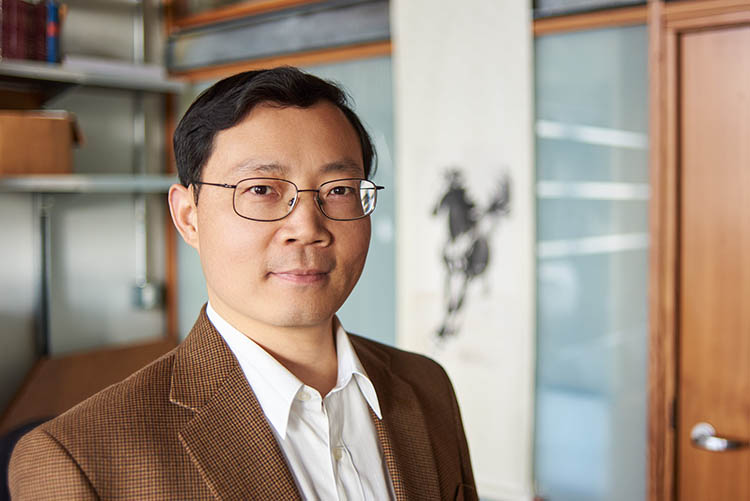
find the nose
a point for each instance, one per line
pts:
(306, 224)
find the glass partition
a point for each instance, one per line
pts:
(190, 7)
(315, 27)
(592, 264)
(547, 8)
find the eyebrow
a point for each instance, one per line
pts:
(251, 167)
(345, 166)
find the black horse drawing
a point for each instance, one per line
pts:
(466, 253)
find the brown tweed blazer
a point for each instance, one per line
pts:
(188, 426)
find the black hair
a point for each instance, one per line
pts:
(229, 101)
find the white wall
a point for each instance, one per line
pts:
(17, 292)
(463, 98)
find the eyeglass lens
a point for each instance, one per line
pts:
(269, 199)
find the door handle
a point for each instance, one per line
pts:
(703, 436)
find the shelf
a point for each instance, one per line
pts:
(49, 79)
(86, 183)
(106, 3)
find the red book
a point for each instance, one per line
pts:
(22, 30)
(39, 28)
(11, 24)
(3, 31)
(28, 30)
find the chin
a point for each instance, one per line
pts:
(303, 316)
(299, 321)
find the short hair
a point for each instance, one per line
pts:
(229, 101)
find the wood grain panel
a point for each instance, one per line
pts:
(310, 58)
(662, 274)
(714, 344)
(230, 12)
(674, 11)
(591, 20)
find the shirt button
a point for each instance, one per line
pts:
(303, 396)
(338, 453)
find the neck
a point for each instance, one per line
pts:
(308, 352)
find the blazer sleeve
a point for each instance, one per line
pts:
(468, 489)
(42, 469)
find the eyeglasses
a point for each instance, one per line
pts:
(271, 199)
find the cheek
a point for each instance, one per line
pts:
(227, 250)
(358, 243)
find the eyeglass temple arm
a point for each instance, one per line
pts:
(220, 185)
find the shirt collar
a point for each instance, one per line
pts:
(350, 366)
(274, 386)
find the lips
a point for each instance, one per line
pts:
(301, 276)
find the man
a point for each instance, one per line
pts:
(268, 397)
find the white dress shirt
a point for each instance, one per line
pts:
(330, 443)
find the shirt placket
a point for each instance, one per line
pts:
(314, 412)
(348, 482)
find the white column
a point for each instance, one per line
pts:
(463, 99)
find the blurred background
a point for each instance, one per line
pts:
(564, 225)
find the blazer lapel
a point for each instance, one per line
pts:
(228, 438)
(403, 430)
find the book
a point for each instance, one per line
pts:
(52, 32)
(11, 29)
(39, 29)
(23, 29)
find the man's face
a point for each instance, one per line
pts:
(298, 271)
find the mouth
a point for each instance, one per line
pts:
(301, 276)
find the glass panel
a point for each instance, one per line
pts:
(267, 36)
(185, 8)
(544, 8)
(566, 160)
(592, 264)
(370, 310)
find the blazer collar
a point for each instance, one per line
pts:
(403, 429)
(230, 440)
(228, 437)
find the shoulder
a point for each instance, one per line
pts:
(142, 389)
(66, 449)
(38, 455)
(396, 355)
(134, 405)
(417, 369)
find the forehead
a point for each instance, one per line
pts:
(286, 142)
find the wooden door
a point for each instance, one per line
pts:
(713, 289)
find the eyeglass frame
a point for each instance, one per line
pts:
(296, 197)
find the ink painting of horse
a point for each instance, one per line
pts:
(466, 251)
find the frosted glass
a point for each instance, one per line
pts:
(287, 32)
(544, 8)
(592, 264)
(370, 310)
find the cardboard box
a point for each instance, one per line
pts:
(37, 142)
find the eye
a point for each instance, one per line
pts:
(260, 190)
(340, 190)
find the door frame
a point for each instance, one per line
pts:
(667, 23)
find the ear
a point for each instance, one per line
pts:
(184, 213)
